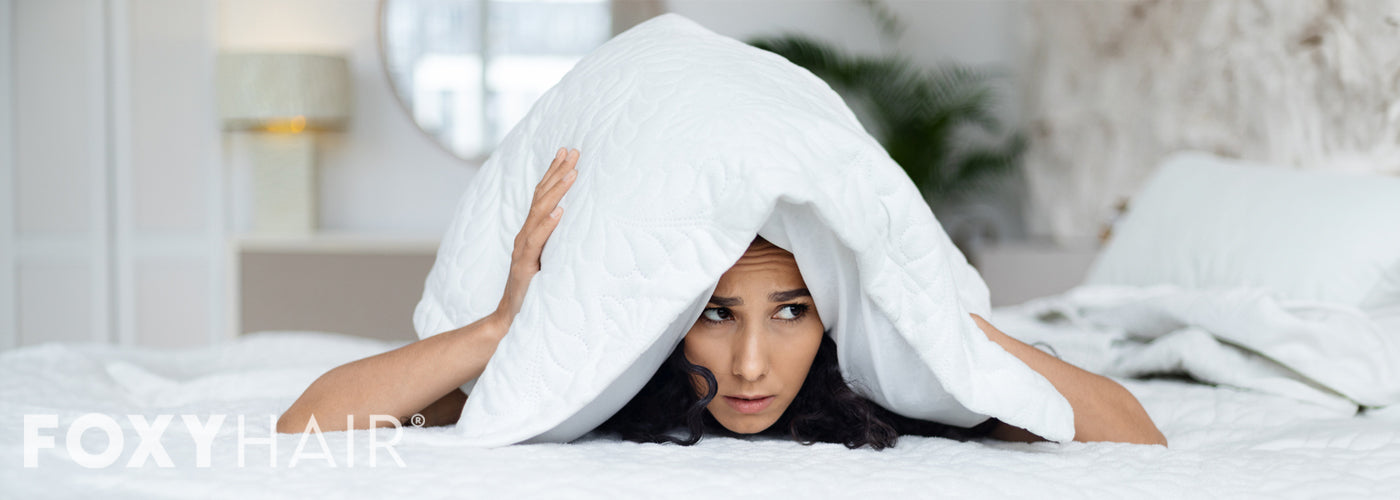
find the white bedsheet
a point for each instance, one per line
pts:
(1225, 443)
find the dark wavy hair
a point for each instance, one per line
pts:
(826, 409)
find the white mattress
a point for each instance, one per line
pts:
(1224, 442)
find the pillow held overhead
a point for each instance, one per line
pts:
(692, 144)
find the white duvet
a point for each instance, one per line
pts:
(1327, 354)
(1225, 442)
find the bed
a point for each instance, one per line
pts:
(1285, 388)
(1224, 442)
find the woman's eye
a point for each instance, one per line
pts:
(715, 314)
(791, 311)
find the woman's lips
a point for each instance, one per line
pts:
(748, 405)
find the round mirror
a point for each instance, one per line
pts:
(467, 70)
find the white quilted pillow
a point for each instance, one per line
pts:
(691, 144)
(1207, 222)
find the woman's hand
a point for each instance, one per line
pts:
(543, 217)
(1103, 409)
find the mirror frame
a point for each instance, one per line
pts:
(477, 159)
(625, 14)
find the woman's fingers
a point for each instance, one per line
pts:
(545, 212)
(548, 194)
(556, 170)
(556, 192)
(561, 167)
(551, 210)
(559, 156)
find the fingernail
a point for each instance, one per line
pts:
(559, 153)
(556, 212)
(572, 174)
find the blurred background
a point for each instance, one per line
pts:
(177, 172)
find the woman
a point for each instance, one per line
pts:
(756, 361)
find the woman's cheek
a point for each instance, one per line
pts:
(700, 350)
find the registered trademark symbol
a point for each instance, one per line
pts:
(417, 420)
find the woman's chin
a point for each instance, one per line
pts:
(746, 424)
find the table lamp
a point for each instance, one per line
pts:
(282, 99)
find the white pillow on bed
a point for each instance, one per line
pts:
(1203, 221)
(691, 144)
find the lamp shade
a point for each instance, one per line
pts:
(283, 91)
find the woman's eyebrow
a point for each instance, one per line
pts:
(775, 297)
(789, 295)
(725, 301)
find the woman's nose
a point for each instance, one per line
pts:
(751, 355)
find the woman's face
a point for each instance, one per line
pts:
(758, 335)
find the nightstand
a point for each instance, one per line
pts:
(356, 284)
(1020, 271)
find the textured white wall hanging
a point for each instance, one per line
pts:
(1112, 87)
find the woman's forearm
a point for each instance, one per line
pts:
(1103, 409)
(398, 382)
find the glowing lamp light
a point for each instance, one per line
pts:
(293, 125)
(277, 99)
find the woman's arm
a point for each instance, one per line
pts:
(400, 382)
(423, 377)
(1103, 409)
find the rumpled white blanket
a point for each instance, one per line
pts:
(1327, 354)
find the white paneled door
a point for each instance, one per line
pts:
(111, 221)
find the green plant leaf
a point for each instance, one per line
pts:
(923, 118)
